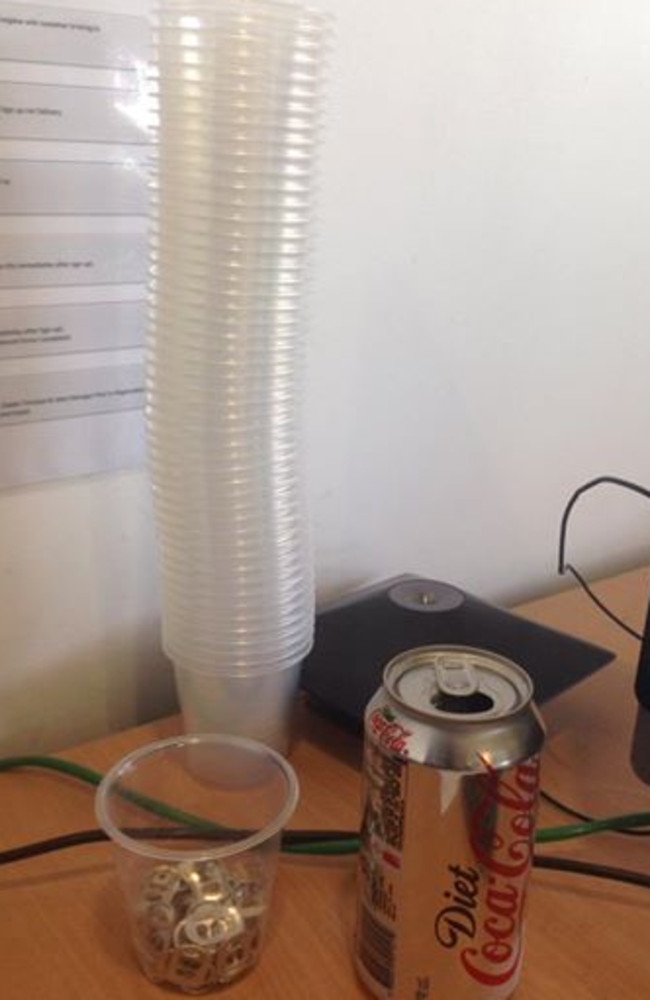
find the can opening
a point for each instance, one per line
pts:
(468, 704)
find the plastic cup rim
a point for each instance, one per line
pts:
(291, 660)
(294, 664)
(111, 778)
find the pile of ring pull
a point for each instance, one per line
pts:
(199, 923)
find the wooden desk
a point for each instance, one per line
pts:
(62, 931)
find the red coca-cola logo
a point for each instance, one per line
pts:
(389, 733)
(502, 826)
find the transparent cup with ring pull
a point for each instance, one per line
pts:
(196, 822)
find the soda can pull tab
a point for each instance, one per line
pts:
(456, 678)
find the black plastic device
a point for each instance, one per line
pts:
(642, 680)
(357, 636)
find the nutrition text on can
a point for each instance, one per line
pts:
(451, 780)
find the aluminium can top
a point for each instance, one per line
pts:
(443, 681)
(476, 707)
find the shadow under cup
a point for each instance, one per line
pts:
(196, 822)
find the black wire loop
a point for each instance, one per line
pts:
(566, 567)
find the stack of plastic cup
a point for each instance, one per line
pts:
(237, 88)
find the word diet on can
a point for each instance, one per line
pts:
(451, 780)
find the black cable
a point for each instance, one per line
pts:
(298, 837)
(564, 566)
(290, 839)
(51, 844)
(575, 867)
(591, 594)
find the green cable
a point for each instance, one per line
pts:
(627, 821)
(545, 835)
(344, 845)
(93, 777)
(54, 764)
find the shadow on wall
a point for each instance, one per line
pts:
(100, 688)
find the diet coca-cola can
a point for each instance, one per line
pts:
(451, 779)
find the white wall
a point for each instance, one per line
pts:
(478, 347)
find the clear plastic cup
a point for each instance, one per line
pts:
(245, 613)
(221, 239)
(242, 405)
(200, 145)
(204, 225)
(237, 98)
(226, 298)
(237, 586)
(176, 336)
(274, 547)
(253, 570)
(188, 580)
(262, 218)
(293, 130)
(237, 661)
(259, 532)
(198, 306)
(215, 511)
(299, 124)
(264, 44)
(201, 162)
(245, 505)
(253, 638)
(193, 317)
(199, 539)
(263, 56)
(205, 15)
(220, 376)
(278, 537)
(202, 229)
(227, 256)
(237, 159)
(224, 352)
(259, 488)
(217, 647)
(232, 104)
(254, 194)
(202, 644)
(237, 282)
(249, 89)
(207, 602)
(258, 704)
(232, 266)
(232, 235)
(237, 372)
(294, 119)
(206, 19)
(225, 633)
(240, 377)
(163, 459)
(241, 629)
(269, 608)
(208, 642)
(220, 449)
(196, 822)
(175, 425)
(187, 563)
(218, 455)
(175, 331)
